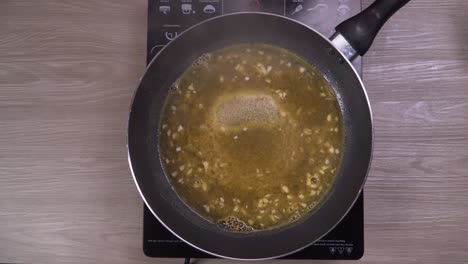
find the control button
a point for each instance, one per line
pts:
(187, 9)
(171, 35)
(318, 8)
(156, 49)
(171, 31)
(343, 9)
(164, 9)
(340, 250)
(209, 9)
(254, 5)
(297, 10)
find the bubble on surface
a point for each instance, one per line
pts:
(234, 224)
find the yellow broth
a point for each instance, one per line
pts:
(251, 137)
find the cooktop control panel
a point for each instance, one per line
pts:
(174, 16)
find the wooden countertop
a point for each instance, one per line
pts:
(67, 73)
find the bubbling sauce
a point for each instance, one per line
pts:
(251, 137)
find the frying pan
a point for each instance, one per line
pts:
(330, 57)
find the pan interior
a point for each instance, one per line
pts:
(250, 137)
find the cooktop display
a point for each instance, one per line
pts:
(166, 20)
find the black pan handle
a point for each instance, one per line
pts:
(361, 29)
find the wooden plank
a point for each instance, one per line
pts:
(67, 73)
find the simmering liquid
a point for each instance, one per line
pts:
(251, 137)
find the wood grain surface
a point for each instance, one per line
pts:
(67, 73)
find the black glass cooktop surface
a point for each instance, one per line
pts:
(167, 19)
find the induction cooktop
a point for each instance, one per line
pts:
(167, 19)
